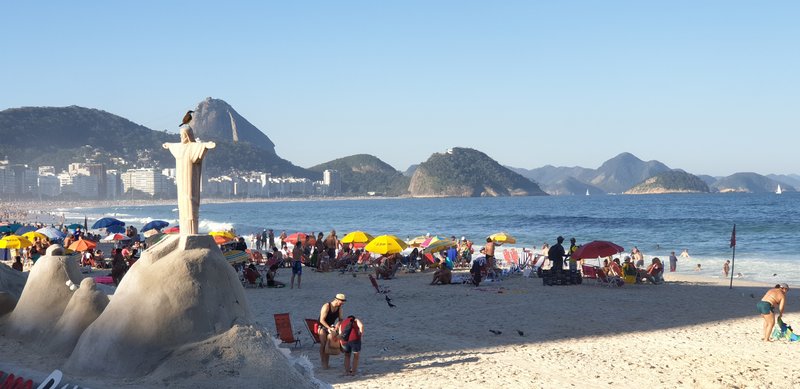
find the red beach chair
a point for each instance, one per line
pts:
(283, 324)
(313, 328)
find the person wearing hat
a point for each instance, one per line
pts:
(766, 307)
(330, 313)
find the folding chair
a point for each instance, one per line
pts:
(283, 324)
(313, 326)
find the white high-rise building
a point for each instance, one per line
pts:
(333, 180)
(148, 181)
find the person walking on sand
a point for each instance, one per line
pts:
(673, 262)
(488, 252)
(330, 313)
(766, 307)
(726, 268)
(297, 264)
(350, 331)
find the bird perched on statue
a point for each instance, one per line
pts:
(187, 118)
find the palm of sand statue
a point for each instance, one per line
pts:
(188, 168)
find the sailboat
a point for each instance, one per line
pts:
(587, 192)
(779, 191)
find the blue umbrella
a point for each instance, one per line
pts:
(116, 229)
(154, 225)
(24, 229)
(74, 226)
(51, 233)
(4, 229)
(107, 222)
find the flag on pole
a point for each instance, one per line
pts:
(733, 236)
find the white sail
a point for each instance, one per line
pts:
(587, 192)
(779, 191)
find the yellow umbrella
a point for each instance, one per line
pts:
(386, 244)
(416, 242)
(14, 242)
(503, 237)
(226, 234)
(32, 235)
(439, 245)
(357, 237)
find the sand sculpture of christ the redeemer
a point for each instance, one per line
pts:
(188, 167)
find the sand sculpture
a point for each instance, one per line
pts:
(188, 168)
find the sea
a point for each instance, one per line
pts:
(767, 225)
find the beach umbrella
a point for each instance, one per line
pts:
(226, 234)
(386, 244)
(172, 230)
(51, 233)
(219, 239)
(114, 237)
(74, 226)
(439, 245)
(115, 229)
(431, 240)
(503, 237)
(416, 242)
(154, 225)
(82, 245)
(5, 229)
(597, 249)
(24, 229)
(32, 235)
(14, 242)
(293, 238)
(107, 222)
(14, 226)
(357, 237)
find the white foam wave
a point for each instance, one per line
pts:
(210, 225)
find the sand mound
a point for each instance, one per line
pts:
(45, 296)
(180, 292)
(86, 305)
(11, 284)
(240, 357)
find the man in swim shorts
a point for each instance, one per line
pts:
(350, 330)
(766, 307)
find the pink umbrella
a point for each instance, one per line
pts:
(597, 249)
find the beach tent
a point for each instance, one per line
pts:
(51, 233)
(107, 222)
(386, 244)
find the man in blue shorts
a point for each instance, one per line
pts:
(297, 264)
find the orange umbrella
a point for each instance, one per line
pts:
(219, 239)
(301, 237)
(82, 245)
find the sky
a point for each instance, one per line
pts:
(711, 87)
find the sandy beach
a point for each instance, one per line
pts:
(689, 332)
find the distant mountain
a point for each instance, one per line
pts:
(749, 183)
(709, 180)
(571, 186)
(620, 173)
(216, 120)
(363, 173)
(58, 136)
(788, 179)
(673, 181)
(411, 169)
(549, 174)
(463, 172)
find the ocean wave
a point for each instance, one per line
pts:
(210, 225)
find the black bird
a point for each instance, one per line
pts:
(387, 298)
(520, 333)
(496, 332)
(187, 118)
(390, 304)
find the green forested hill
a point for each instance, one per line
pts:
(673, 181)
(362, 173)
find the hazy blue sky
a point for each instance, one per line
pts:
(712, 87)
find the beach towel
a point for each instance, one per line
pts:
(784, 332)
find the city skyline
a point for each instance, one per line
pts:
(710, 88)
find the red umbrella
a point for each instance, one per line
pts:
(293, 238)
(82, 245)
(597, 249)
(172, 230)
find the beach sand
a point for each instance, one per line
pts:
(689, 332)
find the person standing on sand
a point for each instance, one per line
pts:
(282, 237)
(488, 251)
(271, 239)
(351, 330)
(297, 264)
(766, 307)
(330, 313)
(331, 244)
(556, 255)
(726, 268)
(638, 257)
(673, 262)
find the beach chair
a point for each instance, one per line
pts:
(609, 281)
(312, 325)
(252, 278)
(283, 324)
(590, 271)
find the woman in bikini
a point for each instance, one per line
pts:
(766, 307)
(328, 316)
